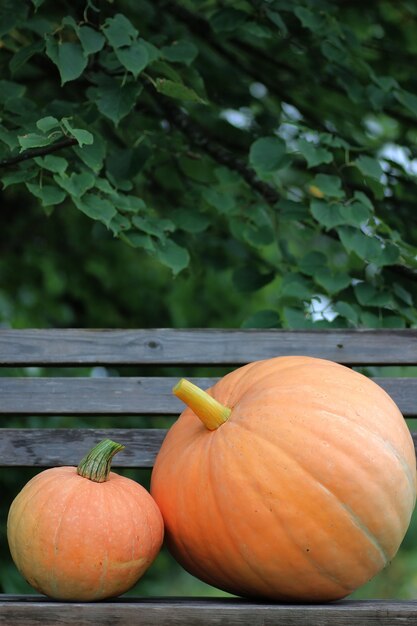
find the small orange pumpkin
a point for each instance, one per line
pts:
(297, 483)
(84, 533)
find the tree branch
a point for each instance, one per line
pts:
(196, 137)
(36, 152)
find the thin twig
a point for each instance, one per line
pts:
(36, 152)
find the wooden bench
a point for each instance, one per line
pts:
(151, 395)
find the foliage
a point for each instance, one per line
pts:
(274, 138)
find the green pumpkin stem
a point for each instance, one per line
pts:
(97, 463)
(211, 412)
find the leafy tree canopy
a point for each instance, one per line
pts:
(272, 137)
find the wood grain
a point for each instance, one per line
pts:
(33, 611)
(132, 395)
(196, 346)
(50, 447)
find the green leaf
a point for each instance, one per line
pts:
(312, 262)
(91, 40)
(45, 124)
(328, 214)
(115, 100)
(403, 294)
(357, 213)
(333, 282)
(119, 223)
(177, 91)
(93, 154)
(227, 20)
(33, 140)
(157, 227)
(10, 90)
(224, 203)
(138, 240)
(9, 138)
(389, 254)
(295, 286)
(363, 199)
(103, 185)
(182, 51)
(312, 20)
(267, 154)
(172, 255)
(366, 247)
(262, 319)
(347, 311)
(19, 176)
(119, 31)
(76, 184)
(52, 163)
(314, 154)
(153, 52)
(68, 57)
(336, 214)
(330, 186)
(134, 58)
(278, 21)
(83, 137)
(200, 170)
(393, 321)
(407, 99)
(130, 204)
(190, 220)
(253, 29)
(248, 278)
(368, 295)
(123, 165)
(258, 235)
(296, 318)
(47, 194)
(12, 14)
(96, 207)
(369, 167)
(24, 55)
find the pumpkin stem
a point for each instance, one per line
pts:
(211, 412)
(97, 463)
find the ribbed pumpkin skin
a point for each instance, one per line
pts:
(304, 494)
(75, 539)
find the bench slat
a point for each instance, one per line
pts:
(132, 395)
(92, 396)
(197, 346)
(50, 447)
(33, 611)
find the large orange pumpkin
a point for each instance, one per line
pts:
(297, 482)
(84, 533)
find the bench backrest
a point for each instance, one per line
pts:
(177, 352)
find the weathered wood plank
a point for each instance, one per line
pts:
(50, 447)
(92, 396)
(132, 395)
(34, 611)
(197, 346)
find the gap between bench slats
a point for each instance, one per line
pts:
(198, 346)
(48, 447)
(35, 611)
(132, 396)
